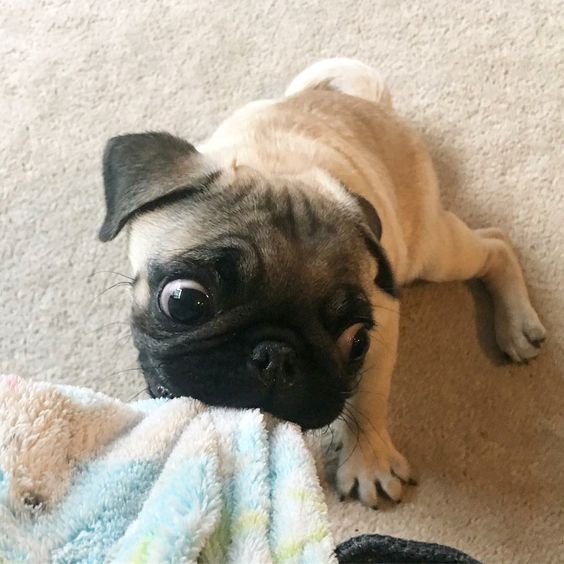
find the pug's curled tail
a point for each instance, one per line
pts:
(344, 75)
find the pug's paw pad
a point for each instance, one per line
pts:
(371, 470)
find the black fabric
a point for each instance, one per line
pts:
(383, 549)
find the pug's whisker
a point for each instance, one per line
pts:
(352, 415)
(106, 325)
(136, 369)
(328, 429)
(368, 367)
(359, 430)
(357, 382)
(135, 396)
(121, 339)
(332, 431)
(371, 393)
(114, 272)
(348, 418)
(391, 310)
(375, 335)
(370, 424)
(122, 283)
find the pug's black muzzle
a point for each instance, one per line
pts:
(266, 369)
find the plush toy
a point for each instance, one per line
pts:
(86, 478)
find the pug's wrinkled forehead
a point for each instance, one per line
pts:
(181, 208)
(250, 232)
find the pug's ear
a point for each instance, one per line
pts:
(385, 278)
(144, 170)
(371, 216)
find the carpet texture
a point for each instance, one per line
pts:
(482, 81)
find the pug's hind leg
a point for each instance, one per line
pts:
(459, 253)
(368, 462)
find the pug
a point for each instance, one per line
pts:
(267, 260)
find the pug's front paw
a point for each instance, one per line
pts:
(372, 466)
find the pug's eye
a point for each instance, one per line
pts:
(185, 301)
(353, 343)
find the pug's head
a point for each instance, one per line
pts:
(248, 291)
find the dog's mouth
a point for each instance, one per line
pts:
(160, 391)
(306, 418)
(279, 382)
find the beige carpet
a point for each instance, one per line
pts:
(483, 80)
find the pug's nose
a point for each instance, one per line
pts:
(274, 360)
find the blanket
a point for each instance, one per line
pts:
(86, 478)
